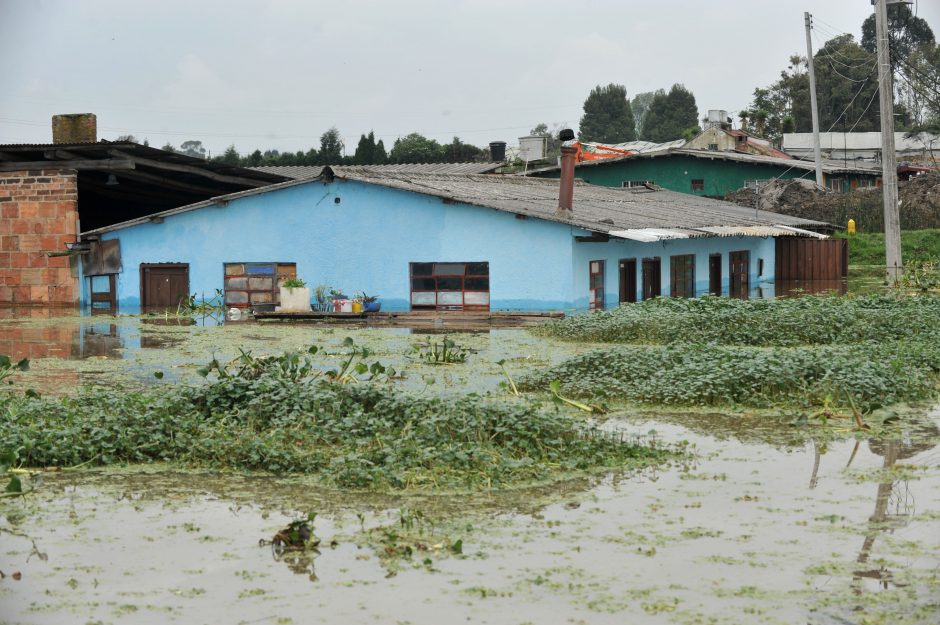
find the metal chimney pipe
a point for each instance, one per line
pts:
(566, 184)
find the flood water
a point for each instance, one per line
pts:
(762, 525)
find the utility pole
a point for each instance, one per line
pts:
(817, 157)
(889, 167)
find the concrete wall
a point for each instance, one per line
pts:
(364, 242)
(38, 214)
(615, 250)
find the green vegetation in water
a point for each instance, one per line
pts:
(446, 352)
(287, 415)
(810, 320)
(868, 248)
(414, 539)
(194, 306)
(874, 374)
(820, 351)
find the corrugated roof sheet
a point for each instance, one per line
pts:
(829, 167)
(598, 209)
(298, 172)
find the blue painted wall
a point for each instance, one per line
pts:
(363, 243)
(614, 250)
(362, 237)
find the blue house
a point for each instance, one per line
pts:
(433, 241)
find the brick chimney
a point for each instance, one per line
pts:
(569, 155)
(75, 128)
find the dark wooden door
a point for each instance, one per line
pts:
(163, 285)
(628, 280)
(652, 278)
(739, 273)
(714, 274)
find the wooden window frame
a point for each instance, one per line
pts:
(682, 285)
(595, 299)
(108, 297)
(698, 184)
(275, 290)
(463, 290)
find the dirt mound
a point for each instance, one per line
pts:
(920, 203)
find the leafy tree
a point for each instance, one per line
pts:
(743, 114)
(846, 87)
(168, 147)
(640, 104)
(331, 147)
(906, 33)
(254, 159)
(126, 139)
(670, 115)
(229, 157)
(193, 148)
(415, 148)
(459, 152)
(607, 117)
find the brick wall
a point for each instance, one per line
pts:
(75, 128)
(38, 214)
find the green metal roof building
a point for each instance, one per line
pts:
(712, 173)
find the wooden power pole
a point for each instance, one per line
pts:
(817, 158)
(889, 166)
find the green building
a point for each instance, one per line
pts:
(713, 173)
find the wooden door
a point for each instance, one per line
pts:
(628, 280)
(714, 274)
(163, 285)
(739, 274)
(652, 278)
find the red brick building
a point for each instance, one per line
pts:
(49, 193)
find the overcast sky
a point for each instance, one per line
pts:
(277, 74)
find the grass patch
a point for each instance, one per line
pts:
(868, 248)
(286, 415)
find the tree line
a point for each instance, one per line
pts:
(846, 86)
(413, 148)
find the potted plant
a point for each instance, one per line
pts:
(370, 303)
(321, 293)
(341, 302)
(295, 296)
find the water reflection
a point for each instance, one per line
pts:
(894, 509)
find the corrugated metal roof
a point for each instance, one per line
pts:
(829, 167)
(597, 209)
(103, 150)
(298, 172)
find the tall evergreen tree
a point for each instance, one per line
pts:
(365, 151)
(331, 148)
(670, 116)
(381, 156)
(607, 117)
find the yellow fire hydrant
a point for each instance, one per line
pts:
(851, 226)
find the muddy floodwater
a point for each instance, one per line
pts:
(764, 523)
